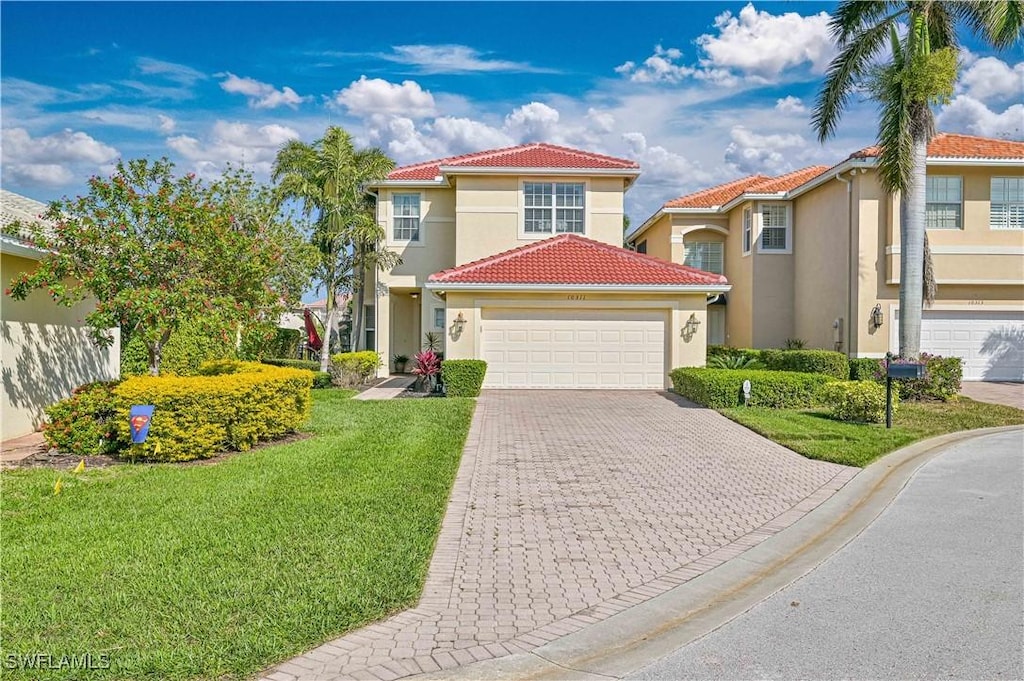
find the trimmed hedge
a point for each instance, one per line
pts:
(83, 424)
(304, 364)
(322, 379)
(285, 343)
(185, 351)
(859, 401)
(722, 388)
(232, 405)
(828, 362)
(354, 368)
(463, 377)
(864, 368)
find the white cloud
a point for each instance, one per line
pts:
(990, 78)
(761, 45)
(132, 118)
(601, 121)
(167, 124)
(178, 73)
(453, 59)
(261, 95)
(756, 47)
(464, 135)
(533, 122)
(662, 167)
(968, 115)
(366, 97)
(750, 152)
(661, 67)
(790, 105)
(236, 143)
(55, 159)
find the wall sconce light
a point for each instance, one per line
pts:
(876, 316)
(690, 328)
(458, 323)
(414, 295)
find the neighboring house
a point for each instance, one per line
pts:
(815, 255)
(45, 349)
(514, 256)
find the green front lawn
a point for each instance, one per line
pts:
(816, 436)
(216, 571)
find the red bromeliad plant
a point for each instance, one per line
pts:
(428, 364)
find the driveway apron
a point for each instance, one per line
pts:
(570, 507)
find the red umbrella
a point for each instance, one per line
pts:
(313, 338)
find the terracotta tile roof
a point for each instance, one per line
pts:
(784, 183)
(951, 145)
(572, 260)
(717, 195)
(538, 155)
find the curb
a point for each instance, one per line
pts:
(635, 637)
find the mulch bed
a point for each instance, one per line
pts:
(51, 458)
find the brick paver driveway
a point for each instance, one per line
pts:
(569, 507)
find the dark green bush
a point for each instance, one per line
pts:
(729, 354)
(285, 343)
(826, 362)
(940, 383)
(463, 377)
(307, 364)
(864, 368)
(83, 424)
(186, 349)
(722, 388)
(321, 379)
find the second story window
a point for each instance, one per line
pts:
(407, 217)
(706, 255)
(774, 227)
(553, 207)
(642, 246)
(943, 202)
(748, 229)
(1007, 203)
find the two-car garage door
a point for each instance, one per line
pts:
(533, 348)
(991, 344)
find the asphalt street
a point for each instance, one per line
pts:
(934, 588)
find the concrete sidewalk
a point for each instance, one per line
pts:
(1010, 394)
(389, 389)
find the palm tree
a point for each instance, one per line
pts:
(921, 72)
(329, 177)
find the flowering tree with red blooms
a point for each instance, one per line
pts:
(155, 249)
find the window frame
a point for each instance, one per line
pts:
(721, 254)
(442, 311)
(553, 209)
(641, 247)
(787, 229)
(959, 204)
(1013, 208)
(395, 217)
(747, 230)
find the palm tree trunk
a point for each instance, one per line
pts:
(359, 309)
(325, 349)
(912, 219)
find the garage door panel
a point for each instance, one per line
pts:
(991, 344)
(592, 349)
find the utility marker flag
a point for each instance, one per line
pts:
(140, 416)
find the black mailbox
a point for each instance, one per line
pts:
(906, 371)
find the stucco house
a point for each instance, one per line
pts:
(514, 256)
(815, 255)
(45, 349)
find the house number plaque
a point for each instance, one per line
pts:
(576, 296)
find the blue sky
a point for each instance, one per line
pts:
(698, 93)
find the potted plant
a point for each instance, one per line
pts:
(400, 361)
(427, 370)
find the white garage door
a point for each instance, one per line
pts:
(991, 344)
(527, 348)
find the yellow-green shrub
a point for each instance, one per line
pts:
(862, 401)
(354, 368)
(231, 405)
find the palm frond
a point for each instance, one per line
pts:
(999, 22)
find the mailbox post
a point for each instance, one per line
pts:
(898, 371)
